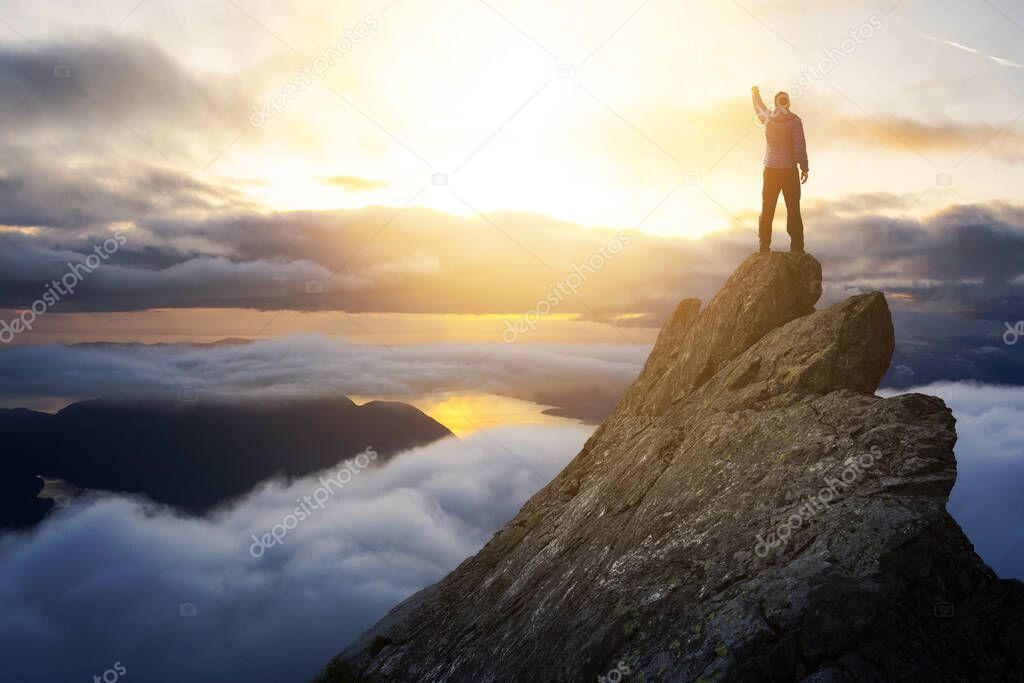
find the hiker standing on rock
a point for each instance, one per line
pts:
(786, 149)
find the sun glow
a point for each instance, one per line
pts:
(570, 125)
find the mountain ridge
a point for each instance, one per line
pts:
(193, 454)
(691, 538)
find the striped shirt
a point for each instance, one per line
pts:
(784, 134)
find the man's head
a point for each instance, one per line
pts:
(782, 99)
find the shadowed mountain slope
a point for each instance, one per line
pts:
(192, 454)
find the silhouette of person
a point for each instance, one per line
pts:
(786, 149)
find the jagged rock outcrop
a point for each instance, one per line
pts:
(750, 511)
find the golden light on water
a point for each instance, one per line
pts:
(466, 412)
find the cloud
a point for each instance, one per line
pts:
(583, 381)
(420, 263)
(961, 264)
(41, 189)
(587, 380)
(987, 356)
(104, 580)
(899, 133)
(114, 141)
(127, 93)
(423, 260)
(953, 280)
(839, 127)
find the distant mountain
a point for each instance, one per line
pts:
(20, 430)
(227, 341)
(191, 454)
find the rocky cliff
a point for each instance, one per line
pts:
(750, 511)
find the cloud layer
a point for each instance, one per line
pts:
(588, 379)
(104, 581)
(966, 262)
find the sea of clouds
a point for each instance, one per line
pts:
(113, 578)
(586, 378)
(119, 580)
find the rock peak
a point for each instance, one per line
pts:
(749, 511)
(764, 293)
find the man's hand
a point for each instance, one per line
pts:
(804, 175)
(755, 90)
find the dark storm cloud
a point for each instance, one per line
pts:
(473, 267)
(965, 263)
(37, 190)
(124, 90)
(982, 357)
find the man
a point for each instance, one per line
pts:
(786, 149)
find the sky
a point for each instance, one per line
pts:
(528, 106)
(458, 159)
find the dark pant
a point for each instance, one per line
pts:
(786, 180)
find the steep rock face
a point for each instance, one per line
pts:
(764, 293)
(750, 511)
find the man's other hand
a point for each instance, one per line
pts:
(755, 90)
(803, 176)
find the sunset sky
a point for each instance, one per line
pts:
(414, 173)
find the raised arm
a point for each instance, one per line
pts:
(759, 108)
